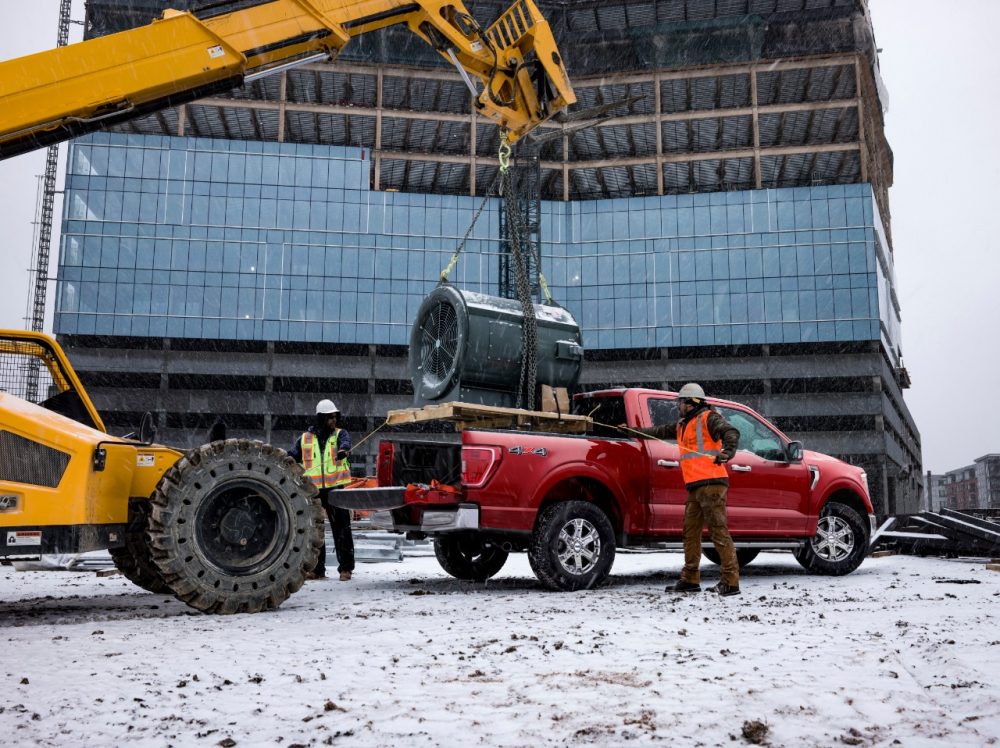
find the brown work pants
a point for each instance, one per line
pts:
(706, 505)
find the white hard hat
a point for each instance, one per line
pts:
(326, 406)
(691, 391)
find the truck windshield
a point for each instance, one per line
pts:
(607, 412)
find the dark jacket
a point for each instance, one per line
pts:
(718, 428)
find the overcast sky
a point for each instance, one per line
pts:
(942, 82)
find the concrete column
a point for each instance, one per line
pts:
(377, 165)
(281, 106)
(756, 127)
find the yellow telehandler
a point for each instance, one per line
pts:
(232, 526)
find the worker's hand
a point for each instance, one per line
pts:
(721, 459)
(342, 454)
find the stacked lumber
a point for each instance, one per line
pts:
(470, 415)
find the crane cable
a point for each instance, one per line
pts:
(503, 156)
(489, 193)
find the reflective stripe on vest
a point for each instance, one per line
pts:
(324, 471)
(699, 450)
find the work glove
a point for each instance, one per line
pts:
(342, 454)
(721, 459)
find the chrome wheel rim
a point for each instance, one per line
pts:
(834, 539)
(578, 547)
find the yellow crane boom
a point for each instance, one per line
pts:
(51, 96)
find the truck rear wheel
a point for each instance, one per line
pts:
(135, 560)
(840, 543)
(235, 526)
(743, 555)
(468, 557)
(572, 547)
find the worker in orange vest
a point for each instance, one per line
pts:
(707, 442)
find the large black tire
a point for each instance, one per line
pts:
(743, 555)
(840, 543)
(135, 560)
(572, 546)
(235, 527)
(467, 557)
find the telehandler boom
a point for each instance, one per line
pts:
(68, 91)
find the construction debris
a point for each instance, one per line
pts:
(947, 532)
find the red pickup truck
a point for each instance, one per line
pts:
(570, 501)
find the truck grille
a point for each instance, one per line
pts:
(25, 461)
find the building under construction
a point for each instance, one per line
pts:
(725, 220)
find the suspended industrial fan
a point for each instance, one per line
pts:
(467, 347)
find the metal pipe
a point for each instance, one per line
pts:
(285, 66)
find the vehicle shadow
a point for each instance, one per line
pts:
(758, 573)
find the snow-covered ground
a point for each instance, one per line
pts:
(895, 654)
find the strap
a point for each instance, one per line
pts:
(504, 156)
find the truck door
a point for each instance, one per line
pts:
(768, 495)
(666, 486)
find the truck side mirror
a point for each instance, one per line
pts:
(794, 451)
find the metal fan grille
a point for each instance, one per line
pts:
(439, 343)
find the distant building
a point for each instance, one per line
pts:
(975, 486)
(936, 497)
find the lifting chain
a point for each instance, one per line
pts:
(522, 284)
(486, 196)
(529, 328)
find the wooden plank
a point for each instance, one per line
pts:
(993, 567)
(466, 415)
(882, 554)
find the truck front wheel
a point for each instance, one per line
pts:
(840, 543)
(468, 557)
(572, 547)
(235, 526)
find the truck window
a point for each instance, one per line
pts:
(662, 412)
(607, 413)
(755, 436)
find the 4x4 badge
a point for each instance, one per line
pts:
(518, 450)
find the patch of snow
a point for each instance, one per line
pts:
(405, 655)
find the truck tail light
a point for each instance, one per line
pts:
(479, 464)
(386, 458)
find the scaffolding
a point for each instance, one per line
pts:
(45, 207)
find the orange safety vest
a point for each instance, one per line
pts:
(699, 450)
(323, 469)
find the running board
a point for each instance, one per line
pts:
(775, 545)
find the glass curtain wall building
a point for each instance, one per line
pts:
(235, 240)
(237, 258)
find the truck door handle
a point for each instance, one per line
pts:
(668, 463)
(742, 468)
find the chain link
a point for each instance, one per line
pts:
(529, 330)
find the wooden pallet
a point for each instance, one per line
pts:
(468, 415)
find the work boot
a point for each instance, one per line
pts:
(313, 576)
(345, 576)
(681, 586)
(725, 590)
